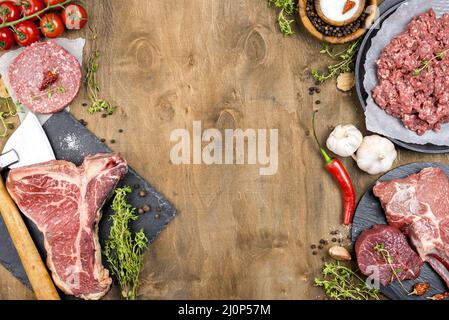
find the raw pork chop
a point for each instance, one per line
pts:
(390, 242)
(65, 201)
(419, 206)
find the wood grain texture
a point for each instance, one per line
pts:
(167, 63)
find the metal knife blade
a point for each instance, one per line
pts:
(29, 142)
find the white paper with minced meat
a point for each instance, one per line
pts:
(73, 46)
(377, 120)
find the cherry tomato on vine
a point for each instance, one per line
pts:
(9, 10)
(26, 33)
(51, 25)
(74, 16)
(30, 7)
(53, 2)
(6, 39)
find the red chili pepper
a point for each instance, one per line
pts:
(338, 171)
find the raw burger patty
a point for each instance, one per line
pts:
(29, 71)
(420, 101)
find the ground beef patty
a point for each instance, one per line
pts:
(45, 77)
(419, 100)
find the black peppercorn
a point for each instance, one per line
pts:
(142, 194)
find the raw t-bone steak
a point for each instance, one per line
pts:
(419, 206)
(64, 201)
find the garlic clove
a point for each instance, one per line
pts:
(346, 81)
(339, 253)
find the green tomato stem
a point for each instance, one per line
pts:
(34, 15)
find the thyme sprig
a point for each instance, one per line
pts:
(342, 283)
(124, 250)
(93, 89)
(49, 93)
(345, 61)
(288, 9)
(380, 248)
(425, 64)
(7, 110)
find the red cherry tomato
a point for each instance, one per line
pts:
(26, 33)
(51, 25)
(54, 2)
(74, 16)
(30, 7)
(9, 10)
(6, 39)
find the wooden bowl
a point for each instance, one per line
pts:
(337, 40)
(339, 23)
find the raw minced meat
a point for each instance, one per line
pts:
(45, 77)
(419, 100)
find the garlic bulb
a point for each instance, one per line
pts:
(376, 155)
(344, 140)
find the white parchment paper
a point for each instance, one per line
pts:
(74, 46)
(376, 119)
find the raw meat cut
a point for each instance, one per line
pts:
(419, 206)
(45, 77)
(64, 201)
(390, 243)
(412, 72)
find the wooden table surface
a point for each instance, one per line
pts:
(238, 235)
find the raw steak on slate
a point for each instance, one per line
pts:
(419, 206)
(391, 243)
(45, 77)
(65, 201)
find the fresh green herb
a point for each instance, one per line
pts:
(123, 249)
(425, 64)
(93, 89)
(341, 283)
(288, 8)
(380, 248)
(345, 61)
(49, 93)
(7, 110)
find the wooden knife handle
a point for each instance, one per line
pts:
(37, 273)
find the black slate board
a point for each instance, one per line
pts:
(71, 141)
(369, 212)
(386, 8)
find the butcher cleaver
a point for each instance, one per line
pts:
(27, 146)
